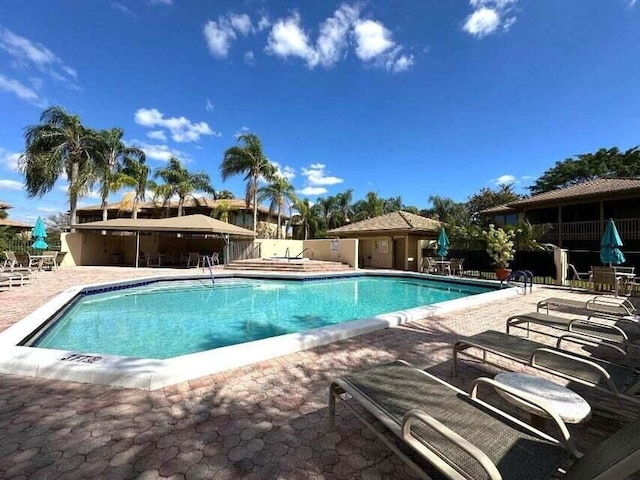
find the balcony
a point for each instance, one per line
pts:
(629, 229)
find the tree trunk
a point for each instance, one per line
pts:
(134, 212)
(279, 221)
(73, 194)
(180, 204)
(105, 212)
(255, 204)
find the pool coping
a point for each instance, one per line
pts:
(152, 374)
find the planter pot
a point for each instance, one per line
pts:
(502, 273)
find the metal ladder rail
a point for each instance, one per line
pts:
(209, 264)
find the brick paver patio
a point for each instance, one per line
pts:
(265, 421)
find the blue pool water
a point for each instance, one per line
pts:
(168, 319)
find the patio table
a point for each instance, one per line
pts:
(41, 259)
(443, 265)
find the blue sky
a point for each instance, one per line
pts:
(402, 97)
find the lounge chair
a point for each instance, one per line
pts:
(601, 276)
(623, 333)
(600, 305)
(577, 276)
(622, 381)
(466, 438)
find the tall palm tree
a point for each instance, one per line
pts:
(138, 172)
(343, 209)
(249, 160)
(59, 144)
(278, 192)
(179, 181)
(111, 155)
(372, 206)
(325, 207)
(308, 219)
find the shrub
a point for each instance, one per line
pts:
(499, 245)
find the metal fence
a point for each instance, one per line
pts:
(21, 245)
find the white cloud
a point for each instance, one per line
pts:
(312, 191)
(124, 9)
(30, 54)
(11, 184)
(483, 21)
(244, 129)
(181, 128)
(263, 23)
(47, 209)
(316, 175)
(209, 106)
(19, 89)
(249, 58)
(161, 2)
(489, 16)
(9, 160)
(285, 172)
(505, 180)
(160, 152)
(632, 2)
(221, 33)
(288, 39)
(157, 135)
(374, 43)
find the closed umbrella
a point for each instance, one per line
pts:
(39, 233)
(443, 244)
(610, 245)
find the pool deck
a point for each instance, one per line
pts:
(263, 421)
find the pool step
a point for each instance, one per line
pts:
(293, 266)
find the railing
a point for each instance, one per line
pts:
(23, 245)
(241, 251)
(300, 254)
(628, 228)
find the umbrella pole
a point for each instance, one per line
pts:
(137, 246)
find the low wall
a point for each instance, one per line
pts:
(333, 250)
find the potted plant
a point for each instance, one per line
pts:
(500, 249)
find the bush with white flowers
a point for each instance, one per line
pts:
(500, 245)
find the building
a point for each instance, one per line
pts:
(14, 225)
(574, 217)
(236, 210)
(394, 240)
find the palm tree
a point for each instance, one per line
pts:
(325, 208)
(112, 153)
(308, 219)
(179, 181)
(138, 173)
(278, 191)
(59, 144)
(343, 209)
(372, 206)
(225, 195)
(249, 160)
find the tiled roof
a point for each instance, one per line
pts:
(593, 188)
(7, 222)
(234, 203)
(399, 221)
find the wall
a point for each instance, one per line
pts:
(278, 248)
(72, 244)
(373, 254)
(344, 250)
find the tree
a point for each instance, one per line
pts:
(278, 192)
(59, 144)
(372, 206)
(392, 204)
(589, 166)
(225, 195)
(3, 214)
(324, 209)
(179, 181)
(448, 210)
(343, 209)
(221, 212)
(138, 174)
(111, 155)
(308, 221)
(249, 160)
(488, 198)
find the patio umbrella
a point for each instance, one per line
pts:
(39, 233)
(609, 245)
(443, 244)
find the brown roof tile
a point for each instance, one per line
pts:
(399, 221)
(7, 222)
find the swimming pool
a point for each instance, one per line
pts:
(164, 320)
(251, 301)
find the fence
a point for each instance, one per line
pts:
(241, 251)
(479, 263)
(21, 245)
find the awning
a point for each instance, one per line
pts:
(185, 224)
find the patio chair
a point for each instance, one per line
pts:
(455, 266)
(193, 260)
(621, 381)
(622, 333)
(428, 265)
(601, 276)
(467, 438)
(601, 305)
(576, 276)
(10, 260)
(215, 258)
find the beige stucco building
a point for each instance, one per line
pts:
(394, 240)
